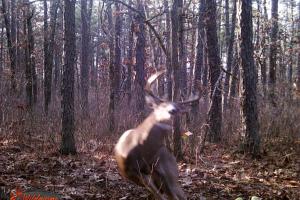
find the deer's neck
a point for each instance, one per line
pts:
(148, 125)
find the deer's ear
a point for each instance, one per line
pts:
(151, 101)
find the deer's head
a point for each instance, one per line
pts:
(164, 110)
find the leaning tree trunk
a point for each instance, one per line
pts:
(249, 81)
(214, 61)
(68, 126)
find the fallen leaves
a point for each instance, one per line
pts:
(94, 175)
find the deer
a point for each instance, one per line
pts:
(141, 154)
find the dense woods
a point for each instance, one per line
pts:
(73, 76)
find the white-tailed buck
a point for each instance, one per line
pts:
(141, 154)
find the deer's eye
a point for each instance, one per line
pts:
(173, 111)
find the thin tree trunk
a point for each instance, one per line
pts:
(230, 55)
(130, 55)
(182, 50)
(111, 106)
(273, 48)
(298, 65)
(28, 74)
(117, 63)
(199, 55)
(235, 73)
(168, 44)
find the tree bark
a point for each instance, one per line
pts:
(168, 44)
(230, 55)
(48, 51)
(111, 106)
(214, 61)
(10, 43)
(199, 55)
(140, 62)
(130, 55)
(249, 81)
(85, 58)
(117, 63)
(176, 71)
(273, 46)
(68, 126)
(28, 74)
(298, 65)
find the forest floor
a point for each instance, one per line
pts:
(219, 174)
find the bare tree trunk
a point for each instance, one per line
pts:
(230, 54)
(227, 25)
(215, 112)
(111, 106)
(235, 73)
(249, 81)
(298, 65)
(28, 74)
(200, 54)
(273, 49)
(10, 43)
(291, 45)
(140, 62)
(85, 58)
(130, 55)
(1, 57)
(176, 70)
(117, 63)
(182, 50)
(168, 44)
(68, 126)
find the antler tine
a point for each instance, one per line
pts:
(190, 100)
(150, 81)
